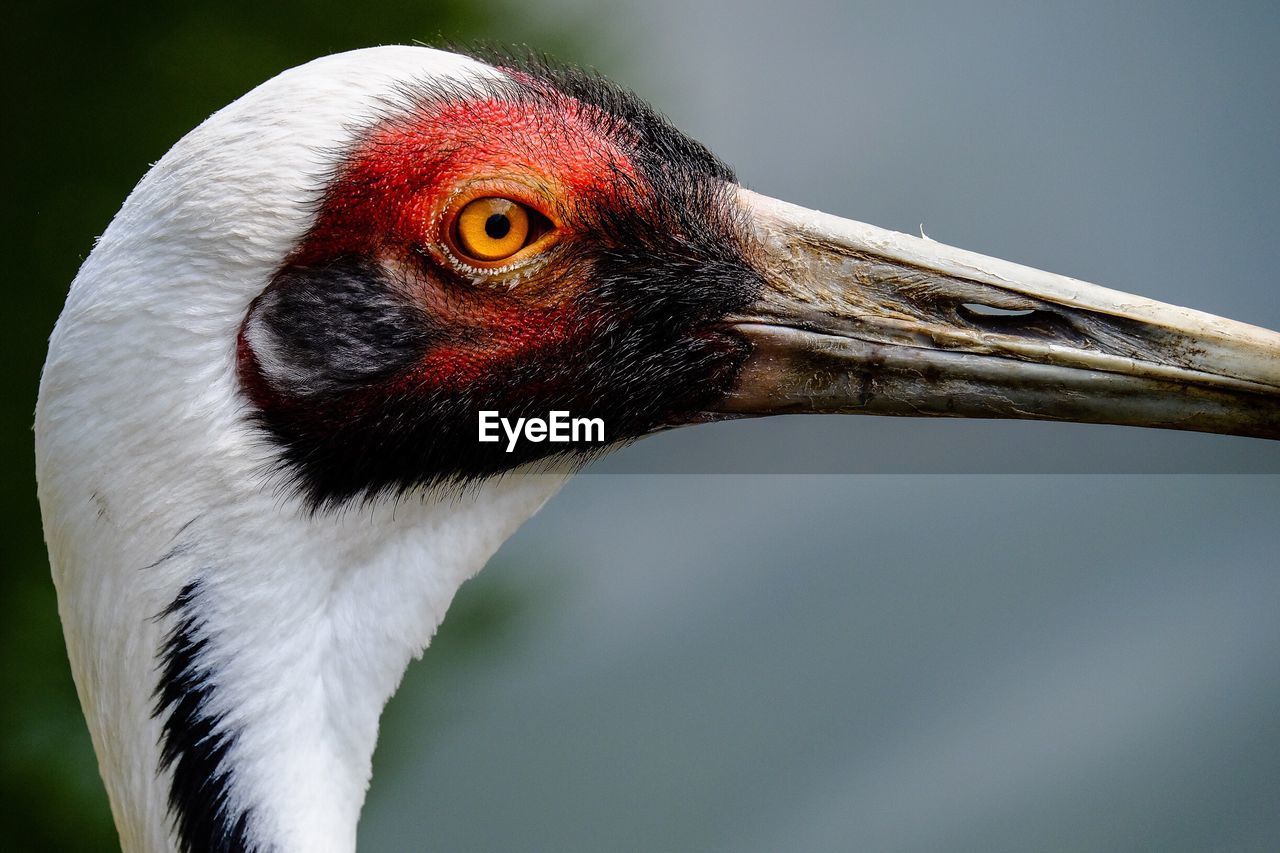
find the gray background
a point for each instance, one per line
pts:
(859, 662)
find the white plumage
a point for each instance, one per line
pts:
(142, 452)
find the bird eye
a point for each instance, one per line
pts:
(493, 229)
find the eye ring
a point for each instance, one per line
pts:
(493, 230)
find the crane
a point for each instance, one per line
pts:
(359, 325)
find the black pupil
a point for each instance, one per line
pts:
(497, 226)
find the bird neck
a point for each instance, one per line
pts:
(233, 650)
(275, 654)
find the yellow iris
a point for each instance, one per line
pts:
(490, 229)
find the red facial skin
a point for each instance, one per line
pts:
(397, 194)
(397, 182)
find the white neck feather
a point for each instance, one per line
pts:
(311, 627)
(150, 480)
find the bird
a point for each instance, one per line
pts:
(334, 349)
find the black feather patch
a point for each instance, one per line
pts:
(194, 745)
(335, 328)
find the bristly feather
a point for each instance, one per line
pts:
(658, 140)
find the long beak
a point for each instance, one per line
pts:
(857, 319)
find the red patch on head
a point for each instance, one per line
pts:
(390, 198)
(397, 182)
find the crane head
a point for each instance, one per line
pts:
(537, 239)
(531, 242)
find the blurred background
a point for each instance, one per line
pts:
(956, 642)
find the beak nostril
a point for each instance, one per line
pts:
(1019, 321)
(994, 311)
